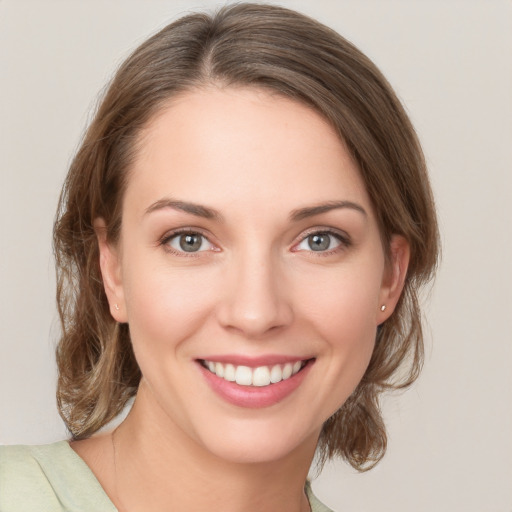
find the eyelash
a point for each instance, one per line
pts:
(164, 242)
(342, 238)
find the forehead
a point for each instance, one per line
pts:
(224, 146)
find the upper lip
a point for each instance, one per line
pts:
(254, 362)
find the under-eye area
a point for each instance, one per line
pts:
(259, 376)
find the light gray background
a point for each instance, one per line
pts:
(451, 62)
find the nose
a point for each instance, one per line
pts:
(255, 299)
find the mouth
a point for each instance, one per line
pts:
(260, 376)
(254, 382)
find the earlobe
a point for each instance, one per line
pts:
(394, 277)
(110, 272)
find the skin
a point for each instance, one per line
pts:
(255, 288)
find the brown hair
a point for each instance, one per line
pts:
(290, 54)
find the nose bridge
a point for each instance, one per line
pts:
(255, 300)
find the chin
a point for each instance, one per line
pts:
(260, 443)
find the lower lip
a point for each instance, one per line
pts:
(255, 397)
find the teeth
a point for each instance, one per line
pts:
(243, 375)
(229, 373)
(276, 374)
(287, 371)
(260, 376)
(219, 369)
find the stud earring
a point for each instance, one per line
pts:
(383, 307)
(117, 307)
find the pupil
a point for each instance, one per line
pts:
(319, 242)
(190, 243)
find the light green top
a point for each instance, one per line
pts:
(53, 478)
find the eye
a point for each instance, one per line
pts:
(320, 241)
(188, 242)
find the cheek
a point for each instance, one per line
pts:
(167, 306)
(342, 307)
(350, 336)
(343, 302)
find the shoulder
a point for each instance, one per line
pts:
(26, 459)
(23, 481)
(47, 477)
(314, 502)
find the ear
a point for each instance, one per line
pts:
(110, 266)
(394, 277)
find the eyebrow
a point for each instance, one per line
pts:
(210, 213)
(184, 206)
(310, 211)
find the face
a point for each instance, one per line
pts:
(250, 271)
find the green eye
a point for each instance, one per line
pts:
(189, 242)
(320, 242)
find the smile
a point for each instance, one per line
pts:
(259, 377)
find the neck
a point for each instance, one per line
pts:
(160, 467)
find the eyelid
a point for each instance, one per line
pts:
(342, 236)
(169, 235)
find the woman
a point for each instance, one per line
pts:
(240, 241)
